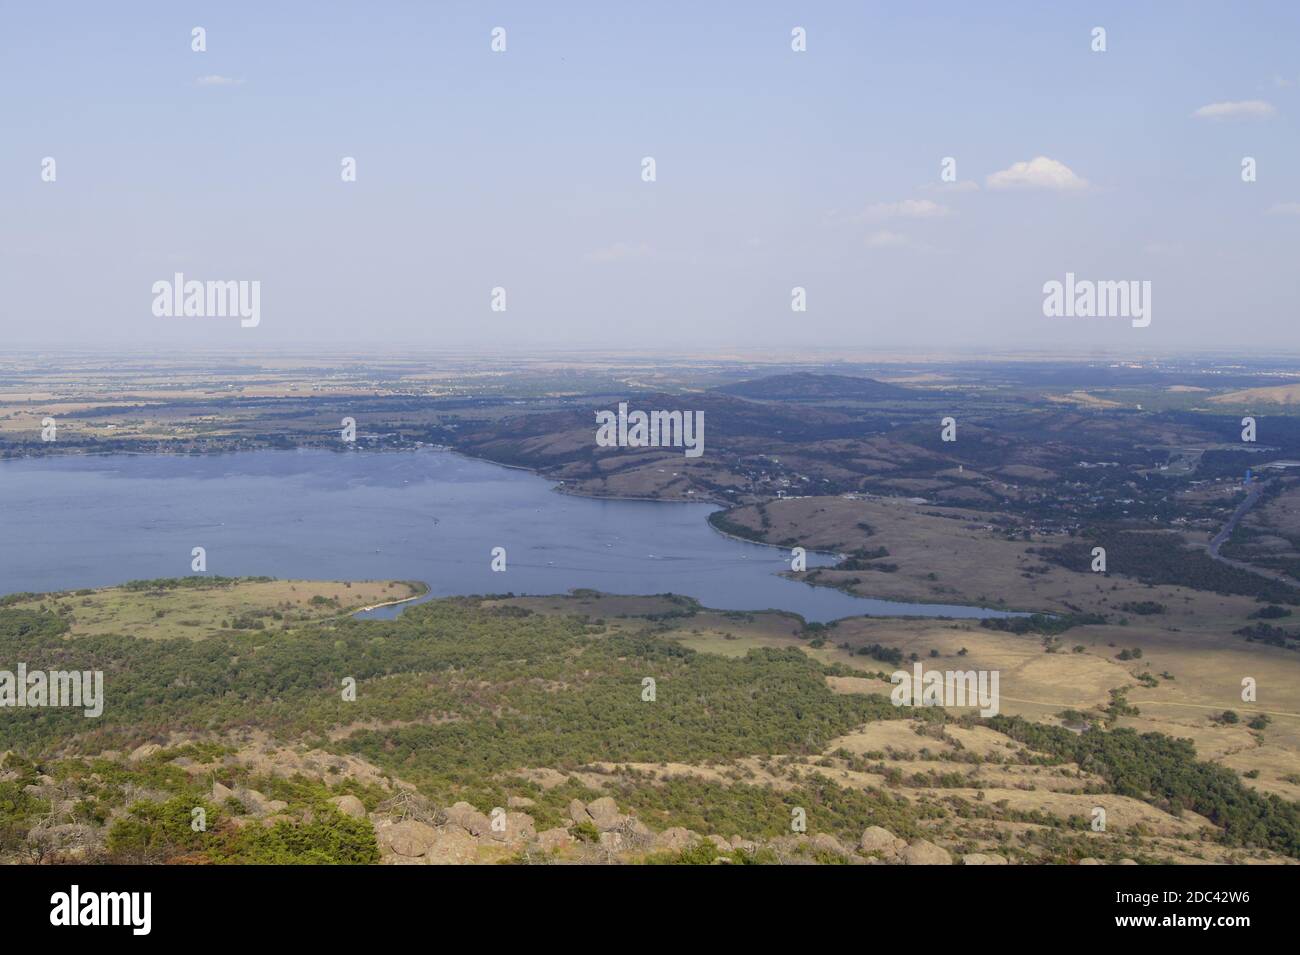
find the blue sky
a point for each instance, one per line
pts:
(775, 169)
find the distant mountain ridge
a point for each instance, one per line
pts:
(810, 386)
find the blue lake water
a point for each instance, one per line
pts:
(434, 516)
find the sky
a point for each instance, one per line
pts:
(774, 169)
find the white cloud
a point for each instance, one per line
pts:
(619, 252)
(908, 209)
(212, 79)
(1039, 173)
(1285, 209)
(1242, 109)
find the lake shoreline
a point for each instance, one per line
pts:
(433, 515)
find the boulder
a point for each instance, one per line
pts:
(143, 752)
(675, 839)
(577, 811)
(221, 793)
(722, 844)
(612, 840)
(552, 839)
(350, 806)
(519, 829)
(253, 801)
(519, 802)
(923, 852)
(877, 839)
(407, 838)
(604, 813)
(451, 846)
(825, 842)
(983, 858)
(1091, 861)
(469, 819)
(71, 840)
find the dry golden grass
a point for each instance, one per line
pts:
(1273, 395)
(1083, 399)
(196, 614)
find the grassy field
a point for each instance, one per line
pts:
(961, 556)
(194, 613)
(536, 701)
(1205, 665)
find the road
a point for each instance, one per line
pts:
(1256, 489)
(1253, 495)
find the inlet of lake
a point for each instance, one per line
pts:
(75, 521)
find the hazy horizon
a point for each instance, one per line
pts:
(579, 352)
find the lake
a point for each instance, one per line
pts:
(435, 516)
